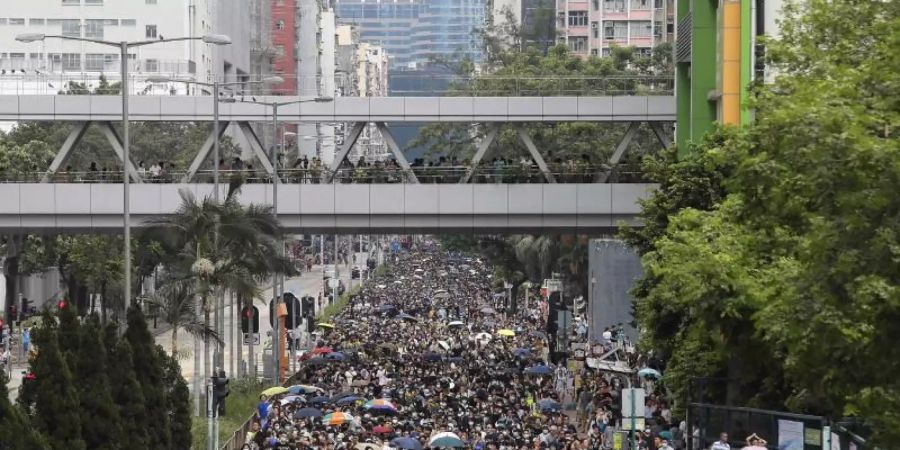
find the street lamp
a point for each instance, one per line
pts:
(276, 337)
(216, 39)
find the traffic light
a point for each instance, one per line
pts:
(294, 311)
(308, 307)
(61, 304)
(250, 319)
(220, 391)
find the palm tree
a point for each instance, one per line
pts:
(174, 303)
(223, 246)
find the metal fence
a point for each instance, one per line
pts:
(781, 430)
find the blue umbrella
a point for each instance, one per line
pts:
(385, 308)
(539, 370)
(319, 399)
(647, 372)
(336, 356)
(455, 359)
(407, 443)
(522, 352)
(432, 357)
(348, 400)
(548, 404)
(307, 412)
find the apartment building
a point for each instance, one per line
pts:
(45, 67)
(593, 27)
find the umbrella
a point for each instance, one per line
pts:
(337, 397)
(432, 357)
(316, 361)
(321, 350)
(506, 332)
(307, 412)
(455, 323)
(442, 295)
(380, 404)
(319, 399)
(347, 400)
(444, 345)
(455, 359)
(405, 316)
(387, 307)
(483, 336)
(446, 439)
(538, 334)
(647, 372)
(303, 389)
(381, 429)
(407, 443)
(666, 435)
(488, 310)
(274, 391)
(291, 399)
(336, 356)
(548, 404)
(522, 352)
(337, 418)
(326, 325)
(539, 370)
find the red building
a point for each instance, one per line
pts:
(284, 38)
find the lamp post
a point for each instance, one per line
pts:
(123, 46)
(276, 337)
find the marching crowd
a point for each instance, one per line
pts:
(423, 357)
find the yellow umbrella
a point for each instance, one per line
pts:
(326, 325)
(274, 391)
(506, 332)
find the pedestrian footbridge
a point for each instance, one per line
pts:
(339, 207)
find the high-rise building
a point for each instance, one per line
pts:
(45, 67)
(284, 40)
(717, 56)
(415, 32)
(593, 27)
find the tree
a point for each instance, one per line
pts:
(178, 400)
(102, 427)
(174, 303)
(126, 391)
(789, 284)
(16, 431)
(25, 161)
(152, 379)
(51, 398)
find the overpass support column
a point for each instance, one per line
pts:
(603, 176)
(204, 152)
(660, 134)
(395, 150)
(116, 142)
(352, 136)
(529, 144)
(63, 154)
(256, 146)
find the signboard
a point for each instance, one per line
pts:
(812, 436)
(210, 401)
(790, 435)
(618, 441)
(638, 423)
(635, 409)
(251, 338)
(333, 283)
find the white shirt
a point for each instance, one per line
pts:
(719, 445)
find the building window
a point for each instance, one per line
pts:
(594, 52)
(595, 30)
(640, 29)
(71, 61)
(17, 21)
(93, 2)
(279, 25)
(578, 18)
(94, 61)
(128, 22)
(93, 28)
(615, 30)
(595, 5)
(279, 50)
(657, 29)
(614, 5)
(36, 22)
(150, 32)
(71, 28)
(3, 21)
(71, 2)
(578, 44)
(658, 4)
(150, 2)
(640, 4)
(151, 65)
(606, 52)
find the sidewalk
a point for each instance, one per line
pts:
(308, 283)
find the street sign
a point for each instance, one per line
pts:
(251, 338)
(333, 283)
(632, 404)
(210, 401)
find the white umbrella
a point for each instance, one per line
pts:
(455, 323)
(446, 439)
(444, 345)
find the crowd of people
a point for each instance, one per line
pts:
(424, 350)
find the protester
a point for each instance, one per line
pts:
(423, 337)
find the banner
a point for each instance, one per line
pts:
(790, 435)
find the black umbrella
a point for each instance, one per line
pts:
(317, 361)
(319, 399)
(307, 412)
